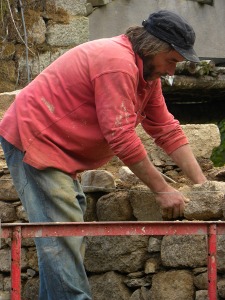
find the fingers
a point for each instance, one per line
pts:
(181, 211)
(167, 213)
(172, 213)
(176, 210)
(172, 204)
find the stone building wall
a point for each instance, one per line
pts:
(36, 33)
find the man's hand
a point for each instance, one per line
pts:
(171, 202)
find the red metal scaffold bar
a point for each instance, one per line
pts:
(17, 231)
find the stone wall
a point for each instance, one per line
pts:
(132, 267)
(36, 33)
(51, 28)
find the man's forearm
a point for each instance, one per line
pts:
(185, 159)
(146, 172)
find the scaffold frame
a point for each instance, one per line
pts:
(17, 231)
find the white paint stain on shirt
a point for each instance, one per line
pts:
(123, 116)
(48, 104)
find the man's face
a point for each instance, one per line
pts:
(161, 64)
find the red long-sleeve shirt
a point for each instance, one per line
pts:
(84, 107)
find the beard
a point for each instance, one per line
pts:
(149, 73)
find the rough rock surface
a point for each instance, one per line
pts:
(114, 207)
(109, 286)
(148, 210)
(184, 251)
(176, 285)
(205, 201)
(124, 254)
(97, 180)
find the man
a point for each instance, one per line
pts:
(80, 112)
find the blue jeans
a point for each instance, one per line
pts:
(52, 196)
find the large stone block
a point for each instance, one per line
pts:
(109, 286)
(72, 7)
(36, 32)
(172, 285)
(114, 253)
(184, 251)
(72, 34)
(145, 207)
(97, 180)
(114, 207)
(206, 201)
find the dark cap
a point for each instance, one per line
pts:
(174, 30)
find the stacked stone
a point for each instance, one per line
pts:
(132, 267)
(52, 27)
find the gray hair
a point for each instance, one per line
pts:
(144, 43)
